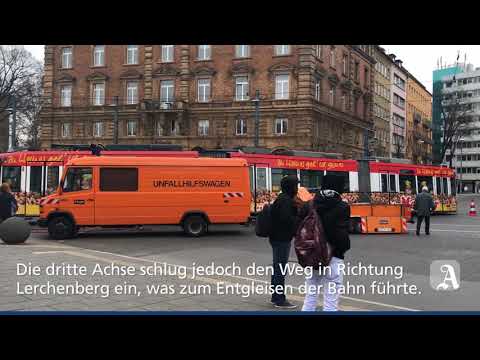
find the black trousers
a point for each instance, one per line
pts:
(281, 253)
(427, 224)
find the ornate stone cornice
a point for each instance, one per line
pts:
(367, 96)
(241, 68)
(281, 67)
(97, 76)
(166, 70)
(203, 70)
(131, 74)
(347, 84)
(65, 78)
(357, 92)
(320, 71)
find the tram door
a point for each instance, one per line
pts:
(260, 183)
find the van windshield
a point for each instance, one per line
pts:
(78, 179)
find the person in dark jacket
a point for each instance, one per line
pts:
(284, 220)
(335, 216)
(8, 203)
(423, 207)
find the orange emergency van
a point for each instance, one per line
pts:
(127, 191)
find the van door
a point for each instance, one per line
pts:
(78, 196)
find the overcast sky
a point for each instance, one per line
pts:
(420, 60)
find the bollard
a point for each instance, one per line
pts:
(15, 230)
(473, 211)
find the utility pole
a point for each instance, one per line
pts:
(115, 121)
(257, 117)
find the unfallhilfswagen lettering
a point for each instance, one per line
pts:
(191, 183)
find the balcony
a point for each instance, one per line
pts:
(162, 106)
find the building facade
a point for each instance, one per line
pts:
(382, 103)
(419, 122)
(465, 87)
(310, 97)
(398, 108)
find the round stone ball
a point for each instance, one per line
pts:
(15, 230)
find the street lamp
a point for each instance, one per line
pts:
(256, 101)
(12, 105)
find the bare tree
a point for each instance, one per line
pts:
(20, 79)
(455, 118)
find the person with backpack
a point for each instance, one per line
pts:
(332, 241)
(283, 217)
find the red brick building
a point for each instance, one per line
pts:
(312, 97)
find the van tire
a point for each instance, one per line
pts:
(61, 228)
(195, 225)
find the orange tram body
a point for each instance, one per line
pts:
(381, 194)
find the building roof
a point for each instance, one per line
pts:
(410, 76)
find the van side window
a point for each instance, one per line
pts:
(78, 179)
(118, 179)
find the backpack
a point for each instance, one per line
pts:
(263, 223)
(310, 243)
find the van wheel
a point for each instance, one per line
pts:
(195, 225)
(60, 228)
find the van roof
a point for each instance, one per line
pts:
(145, 161)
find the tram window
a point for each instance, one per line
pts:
(78, 179)
(407, 184)
(278, 174)
(11, 175)
(439, 186)
(445, 187)
(261, 178)
(384, 182)
(36, 179)
(250, 174)
(341, 178)
(52, 178)
(425, 181)
(393, 183)
(311, 178)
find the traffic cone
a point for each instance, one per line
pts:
(472, 211)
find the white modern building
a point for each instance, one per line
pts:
(465, 87)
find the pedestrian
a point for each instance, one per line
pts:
(424, 206)
(8, 203)
(335, 216)
(284, 224)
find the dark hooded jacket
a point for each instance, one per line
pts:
(335, 216)
(283, 213)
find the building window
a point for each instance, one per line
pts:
(167, 53)
(318, 51)
(204, 52)
(204, 90)
(357, 69)
(166, 91)
(398, 81)
(281, 87)
(282, 50)
(344, 101)
(399, 101)
(241, 127)
(281, 126)
(345, 64)
(332, 95)
(203, 126)
(132, 54)
(67, 58)
(355, 105)
(98, 93)
(332, 57)
(66, 95)
(174, 127)
(318, 89)
(98, 129)
(132, 92)
(242, 51)
(366, 77)
(241, 88)
(66, 130)
(131, 128)
(99, 55)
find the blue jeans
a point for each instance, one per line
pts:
(281, 253)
